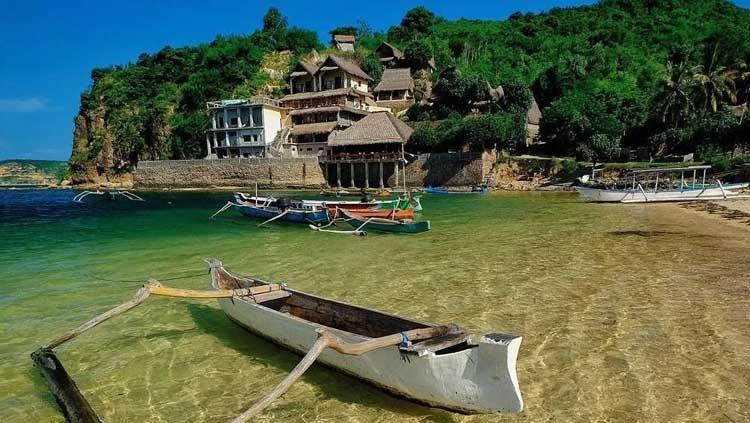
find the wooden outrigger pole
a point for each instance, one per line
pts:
(76, 408)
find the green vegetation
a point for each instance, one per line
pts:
(664, 77)
(32, 171)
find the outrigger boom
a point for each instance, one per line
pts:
(474, 376)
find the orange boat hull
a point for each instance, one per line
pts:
(385, 213)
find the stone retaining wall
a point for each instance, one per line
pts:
(267, 172)
(447, 169)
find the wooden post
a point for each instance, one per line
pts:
(367, 175)
(380, 163)
(338, 174)
(395, 167)
(351, 173)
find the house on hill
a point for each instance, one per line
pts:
(324, 99)
(243, 127)
(389, 55)
(302, 78)
(344, 42)
(377, 139)
(396, 89)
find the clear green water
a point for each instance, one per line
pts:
(629, 313)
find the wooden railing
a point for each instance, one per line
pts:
(361, 157)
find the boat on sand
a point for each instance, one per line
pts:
(657, 185)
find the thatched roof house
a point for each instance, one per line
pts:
(396, 85)
(395, 80)
(335, 62)
(344, 42)
(376, 128)
(388, 53)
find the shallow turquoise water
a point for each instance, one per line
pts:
(627, 312)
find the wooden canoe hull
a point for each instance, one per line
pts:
(477, 378)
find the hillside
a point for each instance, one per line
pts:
(656, 75)
(32, 171)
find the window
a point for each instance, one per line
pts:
(247, 138)
(245, 116)
(232, 116)
(220, 122)
(338, 83)
(257, 116)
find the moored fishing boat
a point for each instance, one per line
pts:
(281, 209)
(394, 213)
(474, 190)
(455, 371)
(400, 203)
(649, 185)
(384, 224)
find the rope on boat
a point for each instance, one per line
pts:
(221, 210)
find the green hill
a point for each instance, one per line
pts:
(32, 171)
(622, 73)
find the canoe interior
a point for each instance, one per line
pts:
(326, 312)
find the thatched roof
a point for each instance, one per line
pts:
(328, 109)
(342, 38)
(376, 128)
(387, 52)
(314, 128)
(326, 93)
(395, 79)
(345, 65)
(304, 68)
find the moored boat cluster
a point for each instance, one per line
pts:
(395, 215)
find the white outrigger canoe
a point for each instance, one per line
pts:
(455, 371)
(442, 366)
(689, 189)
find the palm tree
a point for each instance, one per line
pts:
(717, 83)
(674, 103)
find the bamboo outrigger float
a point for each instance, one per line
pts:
(442, 366)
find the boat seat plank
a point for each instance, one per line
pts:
(438, 343)
(268, 296)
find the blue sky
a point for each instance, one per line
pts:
(48, 48)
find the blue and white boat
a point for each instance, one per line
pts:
(283, 209)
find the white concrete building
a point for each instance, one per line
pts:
(243, 127)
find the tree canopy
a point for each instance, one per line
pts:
(670, 76)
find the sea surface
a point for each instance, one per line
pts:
(628, 312)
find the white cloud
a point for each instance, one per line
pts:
(30, 104)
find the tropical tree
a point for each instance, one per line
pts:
(674, 102)
(274, 21)
(716, 83)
